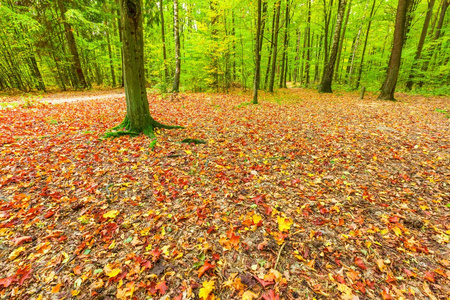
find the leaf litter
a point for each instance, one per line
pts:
(303, 196)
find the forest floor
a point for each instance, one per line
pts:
(304, 196)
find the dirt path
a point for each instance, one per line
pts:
(75, 98)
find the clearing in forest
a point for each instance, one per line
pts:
(303, 196)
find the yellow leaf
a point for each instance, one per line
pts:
(397, 231)
(111, 214)
(381, 265)
(74, 293)
(207, 288)
(344, 289)
(256, 219)
(249, 295)
(16, 253)
(110, 271)
(384, 231)
(39, 297)
(112, 245)
(284, 224)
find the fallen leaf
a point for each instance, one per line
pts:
(284, 224)
(360, 263)
(249, 295)
(16, 253)
(208, 287)
(206, 266)
(112, 214)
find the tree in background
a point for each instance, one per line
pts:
(176, 33)
(388, 87)
(257, 54)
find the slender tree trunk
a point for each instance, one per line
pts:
(266, 78)
(297, 57)
(283, 60)
(327, 18)
(388, 88)
(423, 36)
(111, 64)
(327, 77)
(163, 36)
(176, 79)
(308, 43)
(341, 42)
(275, 45)
(257, 55)
(355, 48)
(316, 68)
(72, 46)
(437, 34)
(358, 80)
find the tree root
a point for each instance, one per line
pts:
(124, 128)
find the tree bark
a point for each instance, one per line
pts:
(275, 45)
(308, 43)
(163, 36)
(72, 46)
(423, 36)
(257, 55)
(327, 77)
(388, 87)
(358, 79)
(138, 118)
(341, 41)
(266, 77)
(283, 60)
(176, 32)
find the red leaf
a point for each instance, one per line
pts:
(394, 219)
(359, 262)
(270, 296)
(25, 272)
(7, 281)
(263, 282)
(49, 214)
(23, 239)
(429, 275)
(204, 268)
(162, 287)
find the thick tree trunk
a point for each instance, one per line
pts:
(423, 36)
(388, 87)
(72, 46)
(163, 36)
(275, 45)
(327, 77)
(358, 79)
(257, 55)
(176, 32)
(138, 118)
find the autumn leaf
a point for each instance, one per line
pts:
(112, 214)
(161, 287)
(23, 239)
(360, 263)
(56, 288)
(16, 253)
(208, 287)
(110, 272)
(429, 275)
(270, 295)
(284, 224)
(381, 265)
(206, 266)
(249, 295)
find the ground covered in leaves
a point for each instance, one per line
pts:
(303, 196)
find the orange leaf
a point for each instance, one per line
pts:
(204, 268)
(77, 270)
(429, 275)
(56, 288)
(162, 287)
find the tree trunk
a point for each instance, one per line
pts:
(308, 43)
(138, 118)
(111, 64)
(437, 34)
(327, 77)
(275, 45)
(388, 87)
(297, 56)
(341, 42)
(163, 36)
(283, 60)
(266, 77)
(358, 80)
(257, 55)
(176, 79)
(72, 46)
(423, 36)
